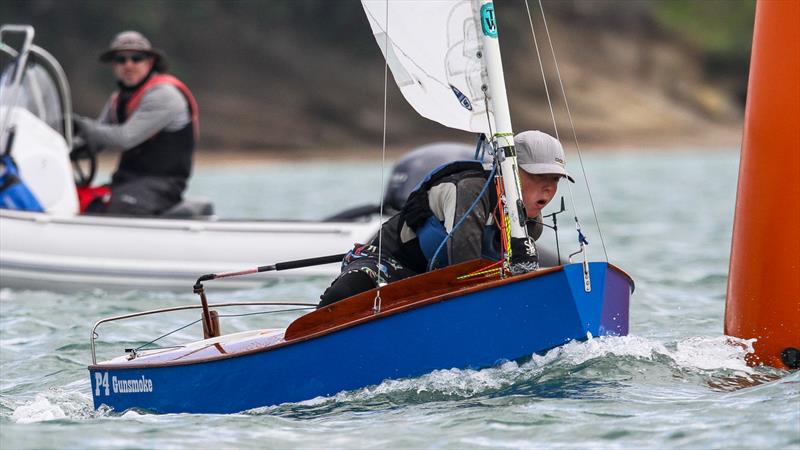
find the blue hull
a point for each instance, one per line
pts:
(475, 330)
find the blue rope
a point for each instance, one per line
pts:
(480, 149)
(464, 217)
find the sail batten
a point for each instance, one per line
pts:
(440, 70)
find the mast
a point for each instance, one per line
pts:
(522, 247)
(446, 62)
(763, 299)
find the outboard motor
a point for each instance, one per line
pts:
(407, 173)
(415, 165)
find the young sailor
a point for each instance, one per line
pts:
(153, 119)
(411, 238)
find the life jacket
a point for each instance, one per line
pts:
(93, 199)
(167, 153)
(432, 232)
(14, 194)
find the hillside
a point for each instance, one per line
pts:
(307, 74)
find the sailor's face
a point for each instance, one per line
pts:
(131, 68)
(537, 191)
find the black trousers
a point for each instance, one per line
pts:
(361, 272)
(144, 196)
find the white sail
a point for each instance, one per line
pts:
(436, 58)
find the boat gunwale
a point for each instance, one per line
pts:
(359, 321)
(183, 224)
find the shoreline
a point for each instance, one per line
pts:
(716, 139)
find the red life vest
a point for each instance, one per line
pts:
(155, 80)
(165, 154)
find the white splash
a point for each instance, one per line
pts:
(694, 353)
(714, 353)
(460, 382)
(690, 354)
(53, 405)
(39, 410)
(703, 353)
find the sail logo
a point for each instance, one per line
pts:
(462, 98)
(120, 386)
(488, 22)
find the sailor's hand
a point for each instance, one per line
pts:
(524, 258)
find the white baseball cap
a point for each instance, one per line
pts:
(539, 153)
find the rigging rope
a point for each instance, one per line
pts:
(165, 335)
(572, 126)
(221, 315)
(555, 126)
(377, 302)
(541, 69)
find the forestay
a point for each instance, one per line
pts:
(435, 55)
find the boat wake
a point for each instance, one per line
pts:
(55, 404)
(631, 366)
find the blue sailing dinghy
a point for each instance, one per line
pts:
(445, 58)
(428, 322)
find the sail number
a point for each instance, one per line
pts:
(120, 385)
(100, 380)
(488, 22)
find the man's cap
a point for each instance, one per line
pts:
(132, 41)
(539, 153)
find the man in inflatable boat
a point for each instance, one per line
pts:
(152, 118)
(411, 238)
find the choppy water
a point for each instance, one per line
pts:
(674, 382)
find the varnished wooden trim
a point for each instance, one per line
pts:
(358, 309)
(414, 291)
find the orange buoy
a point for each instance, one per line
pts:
(763, 299)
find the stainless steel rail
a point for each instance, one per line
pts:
(21, 63)
(94, 334)
(51, 65)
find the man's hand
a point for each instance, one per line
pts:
(82, 148)
(80, 151)
(77, 128)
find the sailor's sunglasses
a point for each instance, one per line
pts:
(122, 59)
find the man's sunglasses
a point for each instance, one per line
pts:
(136, 58)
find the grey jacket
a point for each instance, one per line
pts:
(449, 200)
(162, 107)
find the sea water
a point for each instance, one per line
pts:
(674, 382)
